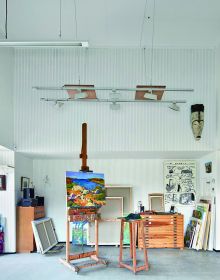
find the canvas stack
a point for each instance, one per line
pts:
(200, 230)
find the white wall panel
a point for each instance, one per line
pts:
(23, 168)
(41, 128)
(6, 98)
(7, 199)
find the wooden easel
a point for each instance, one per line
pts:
(89, 215)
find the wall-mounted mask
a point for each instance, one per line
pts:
(197, 120)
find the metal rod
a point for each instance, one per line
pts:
(113, 88)
(111, 100)
(6, 19)
(83, 44)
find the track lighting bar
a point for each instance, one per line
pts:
(111, 100)
(43, 44)
(113, 89)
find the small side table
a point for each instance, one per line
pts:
(133, 226)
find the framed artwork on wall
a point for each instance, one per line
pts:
(179, 182)
(2, 182)
(25, 182)
(156, 202)
(208, 167)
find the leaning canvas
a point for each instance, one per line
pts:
(85, 189)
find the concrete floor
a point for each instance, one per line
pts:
(164, 264)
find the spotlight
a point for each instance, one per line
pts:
(58, 104)
(80, 95)
(114, 106)
(174, 107)
(150, 95)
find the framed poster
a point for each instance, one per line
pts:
(2, 182)
(180, 182)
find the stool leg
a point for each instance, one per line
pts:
(121, 241)
(134, 226)
(144, 247)
(131, 240)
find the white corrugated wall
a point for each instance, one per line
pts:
(7, 199)
(41, 128)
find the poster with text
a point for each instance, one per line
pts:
(180, 182)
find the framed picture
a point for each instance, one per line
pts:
(2, 182)
(25, 183)
(208, 167)
(156, 202)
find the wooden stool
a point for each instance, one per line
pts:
(133, 226)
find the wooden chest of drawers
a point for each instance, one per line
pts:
(25, 236)
(163, 231)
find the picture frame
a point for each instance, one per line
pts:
(25, 182)
(208, 167)
(2, 182)
(156, 202)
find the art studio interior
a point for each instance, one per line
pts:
(109, 139)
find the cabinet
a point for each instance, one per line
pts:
(25, 236)
(163, 231)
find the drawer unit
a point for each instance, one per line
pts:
(162, 231)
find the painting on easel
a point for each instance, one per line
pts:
(85, 189)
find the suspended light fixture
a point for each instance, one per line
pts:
(114, 106)
(75, 43)
(174, 107)
(83, 44)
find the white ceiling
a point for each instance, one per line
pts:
(115, 22)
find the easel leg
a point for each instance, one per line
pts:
(67, 241)
(96, 238)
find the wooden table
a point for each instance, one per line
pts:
(133, 226)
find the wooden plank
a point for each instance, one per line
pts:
(126, 266)
(81, 256)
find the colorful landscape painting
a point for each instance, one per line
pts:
(85, 189)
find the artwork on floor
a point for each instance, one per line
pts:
(208, 167)
(44, 234)
(85, 189)
(180, 182)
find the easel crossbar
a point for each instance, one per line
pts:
(82, 255)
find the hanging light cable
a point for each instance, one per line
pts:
(6, 19)
(151, 95)
(152, 44)
(76, 37)
(60, 19)
(142, 26)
